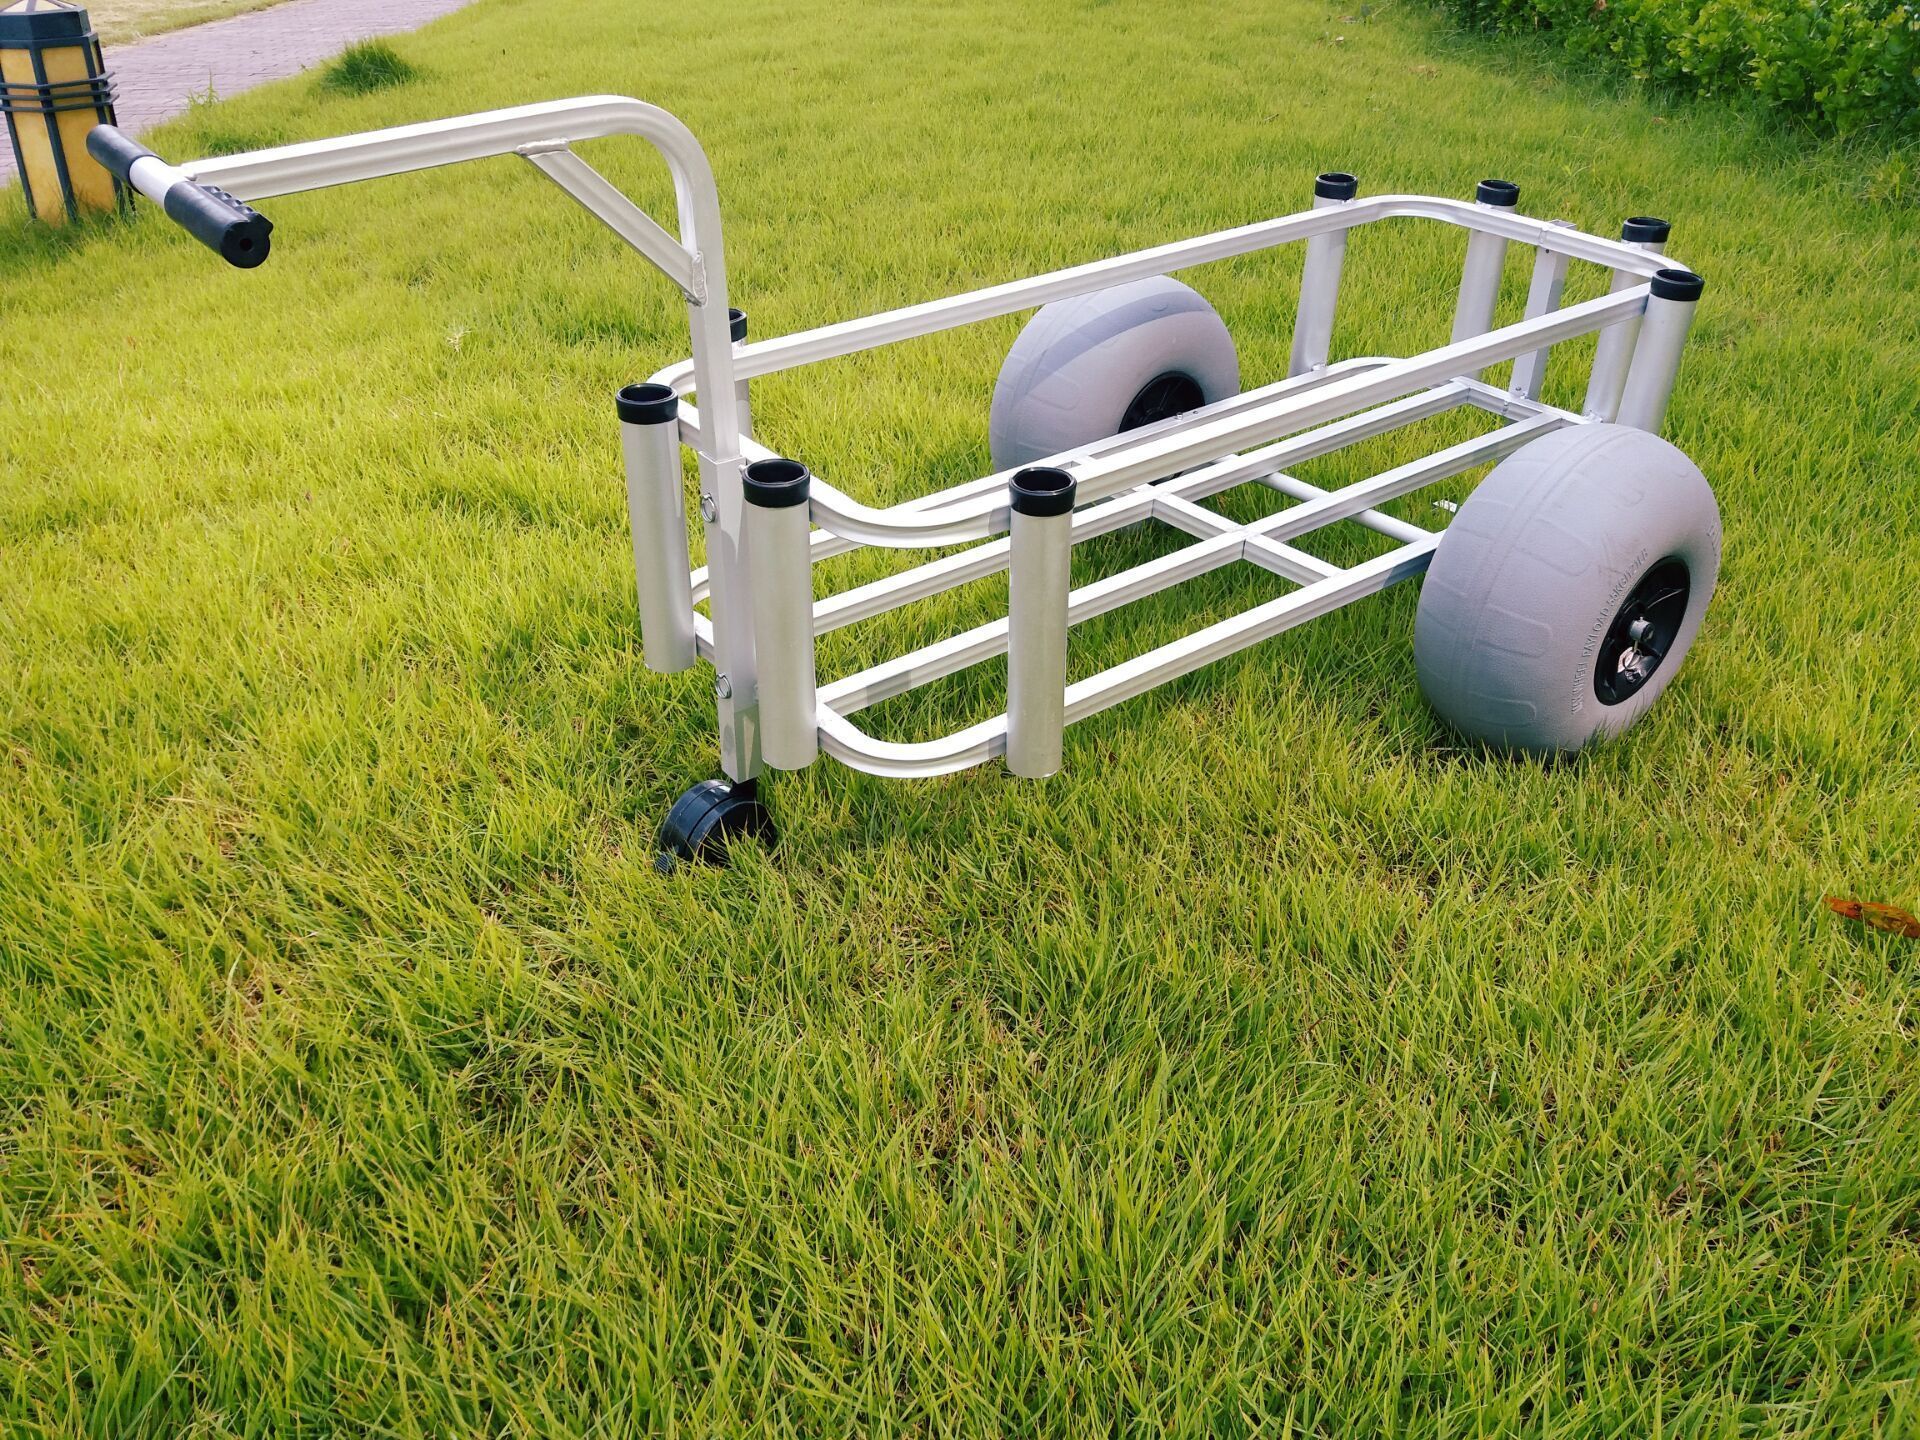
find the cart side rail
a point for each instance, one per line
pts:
(910, 526)
(846, 337)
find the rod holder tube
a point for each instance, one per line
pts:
(650, 443)
(1614, 353)
(1041, 564)
(1486, 259)
(1320, 278)
(1549, 283)
(780, 562)
(1656, 355)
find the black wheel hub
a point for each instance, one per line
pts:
(1161, 398)
(1642, 632)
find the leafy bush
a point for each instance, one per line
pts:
(1849, 66)
(370, 65)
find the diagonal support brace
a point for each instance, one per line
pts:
(596, 194)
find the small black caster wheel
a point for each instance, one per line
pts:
(707, 818)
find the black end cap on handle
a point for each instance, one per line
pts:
(1503, 193)
(239, 233)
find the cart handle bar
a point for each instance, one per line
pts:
(232, 229)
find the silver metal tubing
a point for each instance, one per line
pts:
(1610, 359)
(846, 742)
(1656, 355)
(600, 199)
(1543, 298)
(987, 515)
(549, 124)
(963, 749)
(1479, 285)
(1320, 278)
(1486, 261)
(975, 563)
(1042, 556)
(650, 443)
(1608, 378)
(1156, 501)
(1348, 502)
(804, 347)
(1276, 556)
(842, 739)
(540, 132)
(1217, 641)
(153, 177)
(826, 544)
(679, 376)
(1509, 406)
(1163, 501)
(944, 657)
(782, 590)
(1374, 520)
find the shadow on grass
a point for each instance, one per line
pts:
(29, 246)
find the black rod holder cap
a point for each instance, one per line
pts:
(1335, 185)
(1497, 192)
(1042, 490)
(1646, 230)
(647, 404)
(776, 484)
(1677, 285)
(736, 324)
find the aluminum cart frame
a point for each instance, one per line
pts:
(768, 521)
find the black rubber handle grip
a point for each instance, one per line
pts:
(115, 151)
(235, 230)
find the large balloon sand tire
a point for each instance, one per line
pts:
(1099, 364)
(1567, 590)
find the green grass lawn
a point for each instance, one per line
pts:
(1280, 1067)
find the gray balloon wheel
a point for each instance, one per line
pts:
(1568, 589)
(1100, 364)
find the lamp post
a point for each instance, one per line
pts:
(54, 88)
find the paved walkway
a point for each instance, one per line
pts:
(153, 78)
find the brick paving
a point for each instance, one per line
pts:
(153, 78)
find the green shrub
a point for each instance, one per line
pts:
(1847, 66)
(370, 65)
